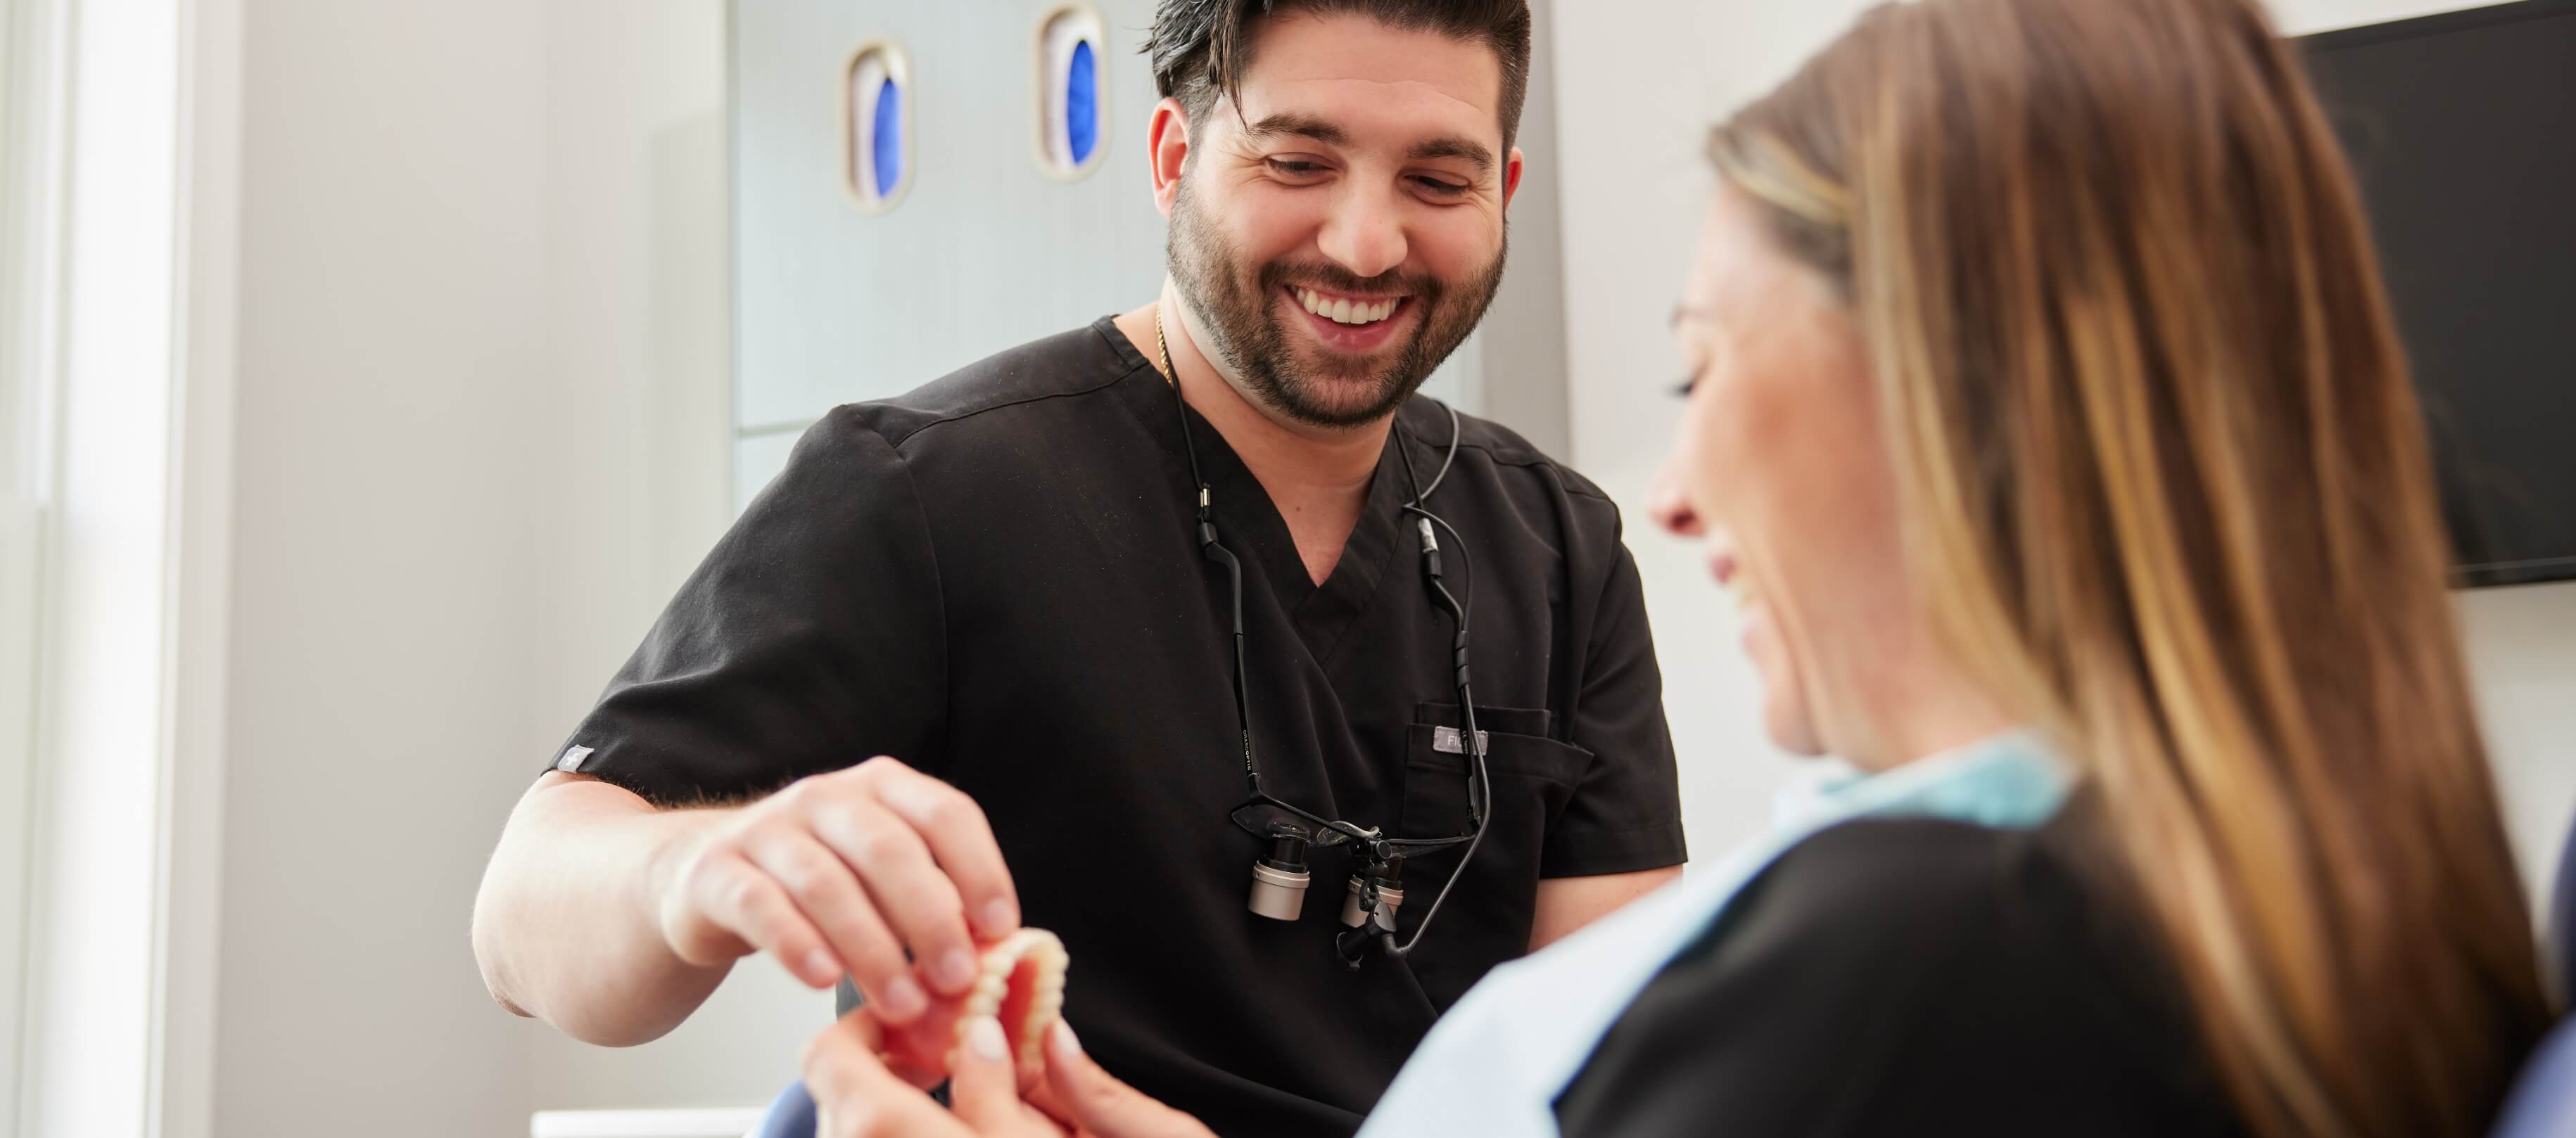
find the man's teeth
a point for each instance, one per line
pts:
(1342, 311)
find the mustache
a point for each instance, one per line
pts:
(1329, 277)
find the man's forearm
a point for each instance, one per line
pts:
(1566, 904)
(565, 924)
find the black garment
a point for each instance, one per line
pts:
(1908, 977)
(996, 578)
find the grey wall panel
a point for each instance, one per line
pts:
(834, 304)
(987, 250)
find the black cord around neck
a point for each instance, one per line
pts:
(1214, 550)
(1471, 741)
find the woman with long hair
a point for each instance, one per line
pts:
(2050, 425)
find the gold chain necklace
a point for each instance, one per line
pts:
(1161, 346)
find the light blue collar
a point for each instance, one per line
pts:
(1496, 1063)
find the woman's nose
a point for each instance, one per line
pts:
(1670, 505)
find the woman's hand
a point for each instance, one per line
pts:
(1090, 1102)
(857, 1094)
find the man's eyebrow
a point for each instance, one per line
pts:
(1307, 126)
(1455, 147)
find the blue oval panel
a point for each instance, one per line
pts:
(1082, 104)
(886, 139)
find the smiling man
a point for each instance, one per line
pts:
(1083, 592)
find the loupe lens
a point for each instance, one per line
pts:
(1278, 894)
(1279, 879)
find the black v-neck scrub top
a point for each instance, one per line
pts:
(996, 579)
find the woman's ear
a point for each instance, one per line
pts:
(1167, 151)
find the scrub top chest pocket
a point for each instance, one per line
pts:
(1533, 776)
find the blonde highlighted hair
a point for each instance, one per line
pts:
(2167, 492)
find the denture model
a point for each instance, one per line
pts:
(1019, 981)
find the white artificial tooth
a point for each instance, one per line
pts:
(1314, 303)
(1341, 311)
(1384, 309)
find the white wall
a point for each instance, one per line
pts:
(482, 421)
(639, 267)
(1632, 113)
(391, 394)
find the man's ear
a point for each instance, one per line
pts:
(1167, 151)
(1511, 177)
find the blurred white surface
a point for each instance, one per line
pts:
(643, 1123)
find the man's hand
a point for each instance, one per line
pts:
(856, 1096)
(844, 873)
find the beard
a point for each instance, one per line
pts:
(1239, 308)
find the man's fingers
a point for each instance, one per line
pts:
(984, 1089)
(741, 897)
(827, 892)
(961, 839)
(1096, 1103)
(906, 885)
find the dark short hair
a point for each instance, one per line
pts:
(1201, 48)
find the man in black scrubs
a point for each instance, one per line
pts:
(1006, 580)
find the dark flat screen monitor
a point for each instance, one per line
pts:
(2462, 129)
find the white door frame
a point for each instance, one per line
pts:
(126, 116)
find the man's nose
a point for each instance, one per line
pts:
(1364, 235)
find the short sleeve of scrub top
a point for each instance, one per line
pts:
(1622, 816)
(808, 640)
